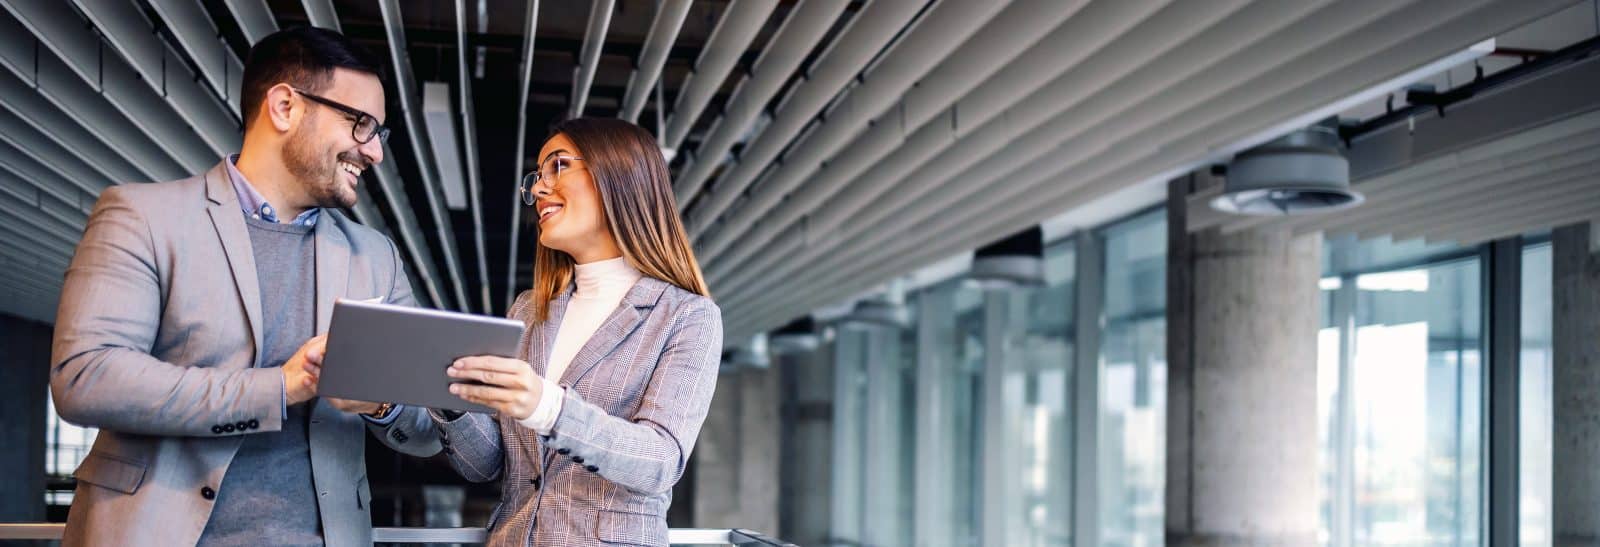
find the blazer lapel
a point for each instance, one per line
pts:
(229, 222)
(333, 268)
(619, 325)
(539, 351)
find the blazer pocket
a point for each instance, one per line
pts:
(111, 472)
(623, 528)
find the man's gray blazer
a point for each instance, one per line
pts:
(636, 396)
(155, 344)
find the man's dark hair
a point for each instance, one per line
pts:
(303, 57)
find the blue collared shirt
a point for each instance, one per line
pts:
(254, 205)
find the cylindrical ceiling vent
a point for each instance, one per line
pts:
(1302, 172)
(1016, 261)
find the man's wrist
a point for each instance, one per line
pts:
(381, 412)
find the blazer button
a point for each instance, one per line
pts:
(207, 493)
(577, 459)
(242, 426)
(592, 469)
(216, 429)
(253, 424)
(564, 451)
(227, 428)
(535, 482)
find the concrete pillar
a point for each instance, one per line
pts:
(1576, 320)
(716, 459)
(24, 385)
(737, 455)
(1242, 385)
(760, 430)
(807, 446)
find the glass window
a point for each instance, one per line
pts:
(66, 445)
(1036, 326)
(948, 388)
(1536, 397)
(1134, 378)
(1403, 426)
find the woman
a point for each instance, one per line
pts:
(600, 409)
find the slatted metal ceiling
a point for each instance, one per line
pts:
(1154, 89)
(823, 146)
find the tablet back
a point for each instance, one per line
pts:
(398, 354)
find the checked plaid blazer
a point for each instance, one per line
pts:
(636, 396)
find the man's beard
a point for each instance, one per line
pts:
(323, 182)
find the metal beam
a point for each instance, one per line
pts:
(868, 32)
(321, 14)
(76, 178)
(415, 246)
(594, 38)
(255, 19)
(469, 141)
(1503, 376)
(48, 231)
(146, 61)
(66, 35)
(530, 27)
(663, 32)
(732, 36)
(937, 34)
(800, 33)
(23, 194)
(192, 27)
(77, 100)
(411, 115)
(44, 118)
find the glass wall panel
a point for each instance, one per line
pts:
(1134, 379)
(1034, 486)
(948, 386)
(1403, 421)
(1536, 397)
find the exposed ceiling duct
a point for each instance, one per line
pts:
(1302, 172)
(530, 28)
(411, 115)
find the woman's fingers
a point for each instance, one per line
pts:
(484, 395)
(491, 363)
(492, 370)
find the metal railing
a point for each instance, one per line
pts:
(677, 536)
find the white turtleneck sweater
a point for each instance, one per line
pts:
(600, 288)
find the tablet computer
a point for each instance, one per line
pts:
(398, 354)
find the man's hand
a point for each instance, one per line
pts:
(354, 407)
(510, 386)
(301, 372)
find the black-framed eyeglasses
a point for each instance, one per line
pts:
(550, 170)
(364, 126)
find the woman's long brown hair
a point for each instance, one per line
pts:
(636, 192)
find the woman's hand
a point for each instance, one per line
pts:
(510, 386)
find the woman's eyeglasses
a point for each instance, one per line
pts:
(550, 170)
(364, 127)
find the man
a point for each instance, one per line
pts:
(188, 322)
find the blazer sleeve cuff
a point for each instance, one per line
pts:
(580, 427)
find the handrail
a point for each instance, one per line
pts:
(676, 536)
